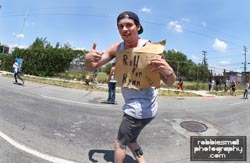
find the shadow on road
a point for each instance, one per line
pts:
(18, 84)
(108, 156)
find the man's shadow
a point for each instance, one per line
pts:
(108, 156)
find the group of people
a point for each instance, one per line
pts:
(215, 85)
(231, 85)
(233, 89)
(141, 105)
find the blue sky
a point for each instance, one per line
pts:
(219, 27)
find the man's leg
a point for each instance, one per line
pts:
(109, 91)
(15, 77)
(113, 92)
(120, 152)
(19, 77)
(137, 152)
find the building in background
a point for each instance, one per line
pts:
(4, 49)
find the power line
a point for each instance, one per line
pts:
(24, 21)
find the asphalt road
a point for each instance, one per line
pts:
(42, 123)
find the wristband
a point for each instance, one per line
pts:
(167, 76)
(172, 73)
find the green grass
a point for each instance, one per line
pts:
(76, 81)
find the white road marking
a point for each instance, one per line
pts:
(76, 102)
(238, 103)
(34, 152)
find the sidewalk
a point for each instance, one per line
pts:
(202, 93)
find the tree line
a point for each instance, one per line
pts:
(42, 59)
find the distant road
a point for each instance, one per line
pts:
(42, 123)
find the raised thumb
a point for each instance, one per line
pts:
(94, 46)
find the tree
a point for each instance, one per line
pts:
(183, 66)
(40, 43)
(42, 59)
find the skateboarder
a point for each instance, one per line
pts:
(17, 72)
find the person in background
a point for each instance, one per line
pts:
(111, 85)
(140, 106)
(226, 83)
(219, 83)
(17, 72)
(87, 80)
(180, 85)
(246, 91)
(233, 88)
(95, 73)
(211, 85)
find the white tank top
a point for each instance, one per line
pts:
(140, 104)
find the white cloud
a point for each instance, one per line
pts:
(146, 10)
(174, 25)
(195, 59)
(30, 23)
(204, 24)
(78, 48)
(186, 20)
(220, 46)
(224, 62)
(20, 35)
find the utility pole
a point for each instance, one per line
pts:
(204, 53)
(204, 66)
(245, 64)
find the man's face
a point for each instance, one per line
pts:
(128, 29)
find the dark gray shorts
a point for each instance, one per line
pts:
(130, 129)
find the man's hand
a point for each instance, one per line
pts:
(92, 58)
(160, 65)
(93, 55)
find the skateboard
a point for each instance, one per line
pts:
(18, 83)
(108, 102)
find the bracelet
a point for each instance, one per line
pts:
(172, 73)
(167, 76)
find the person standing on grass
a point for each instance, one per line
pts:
(141, 105)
